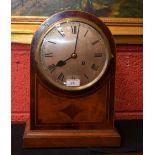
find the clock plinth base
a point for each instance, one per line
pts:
(69, 138)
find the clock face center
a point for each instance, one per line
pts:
(74, 55)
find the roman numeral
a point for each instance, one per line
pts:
(98, 54)
(51, 67)
(74, 29)
(48, 54)
(94, 67)
(52, 42)
(95, 42)
(86, 33)
(61, 77)
(86, 76)
(61, 32)
(83, 63)
(73, 77)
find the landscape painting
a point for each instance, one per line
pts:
(104, 8)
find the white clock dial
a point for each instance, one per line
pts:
(73, 54)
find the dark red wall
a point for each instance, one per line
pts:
(128, 100)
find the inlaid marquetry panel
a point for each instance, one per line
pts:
(58, 110)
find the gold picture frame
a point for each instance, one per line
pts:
(31, 13)
(124, 30)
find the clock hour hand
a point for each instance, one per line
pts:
(62, 62)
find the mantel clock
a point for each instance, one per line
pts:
(72, 79)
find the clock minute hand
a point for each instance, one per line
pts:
(76, 39)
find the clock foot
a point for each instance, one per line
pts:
(70, 138)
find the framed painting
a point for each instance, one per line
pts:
(123, 17)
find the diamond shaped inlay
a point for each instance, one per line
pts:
(71, 111)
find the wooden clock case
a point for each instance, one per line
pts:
(71, 119)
